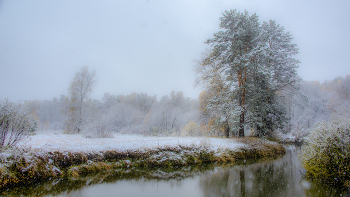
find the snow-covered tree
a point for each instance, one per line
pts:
(339, 103)
(277, 74)
(79, 90)
(308, 107)
(15, 123)
(248, 64)
(316, 102)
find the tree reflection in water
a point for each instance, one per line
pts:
(282, 177)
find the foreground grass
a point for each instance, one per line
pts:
(24, 167)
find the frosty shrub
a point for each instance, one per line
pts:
(190, 129)
(97, 129)
(326, 156)
(15, 123)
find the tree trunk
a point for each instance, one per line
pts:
(241, 83)
(227, 129)
(241, 125)
(259, 130)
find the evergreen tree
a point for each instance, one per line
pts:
(251, 63)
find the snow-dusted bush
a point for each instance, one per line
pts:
(168, 116)
(97, 129)
(190, 129)
(15, 123)
(327, 153)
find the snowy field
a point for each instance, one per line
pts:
(58, 141)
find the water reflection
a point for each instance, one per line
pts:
(281, 177)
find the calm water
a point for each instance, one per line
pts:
(281, 177)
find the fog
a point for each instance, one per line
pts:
(148, 45)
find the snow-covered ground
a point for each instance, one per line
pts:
(57, 141)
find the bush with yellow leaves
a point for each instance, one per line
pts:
(326, 156)
(190, 129)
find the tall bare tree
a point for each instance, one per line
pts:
(79, 91)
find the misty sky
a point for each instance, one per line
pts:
(148, 45)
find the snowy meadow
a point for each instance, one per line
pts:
(57, 140)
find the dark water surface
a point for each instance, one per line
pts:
(281, 177)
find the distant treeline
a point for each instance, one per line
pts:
(137, 113)
(175, 114)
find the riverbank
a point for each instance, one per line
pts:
(33, 162)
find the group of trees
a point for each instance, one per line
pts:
(67, 112)
(316, 102)
(136, 113)
(248, 66)
(250, 83)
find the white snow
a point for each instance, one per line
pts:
(58, 141)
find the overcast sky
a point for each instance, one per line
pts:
(148, 45)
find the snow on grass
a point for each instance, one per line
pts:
(33, 159)
(49, 141)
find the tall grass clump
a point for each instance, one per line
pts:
(326, 156)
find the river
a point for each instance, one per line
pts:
(280, 177)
